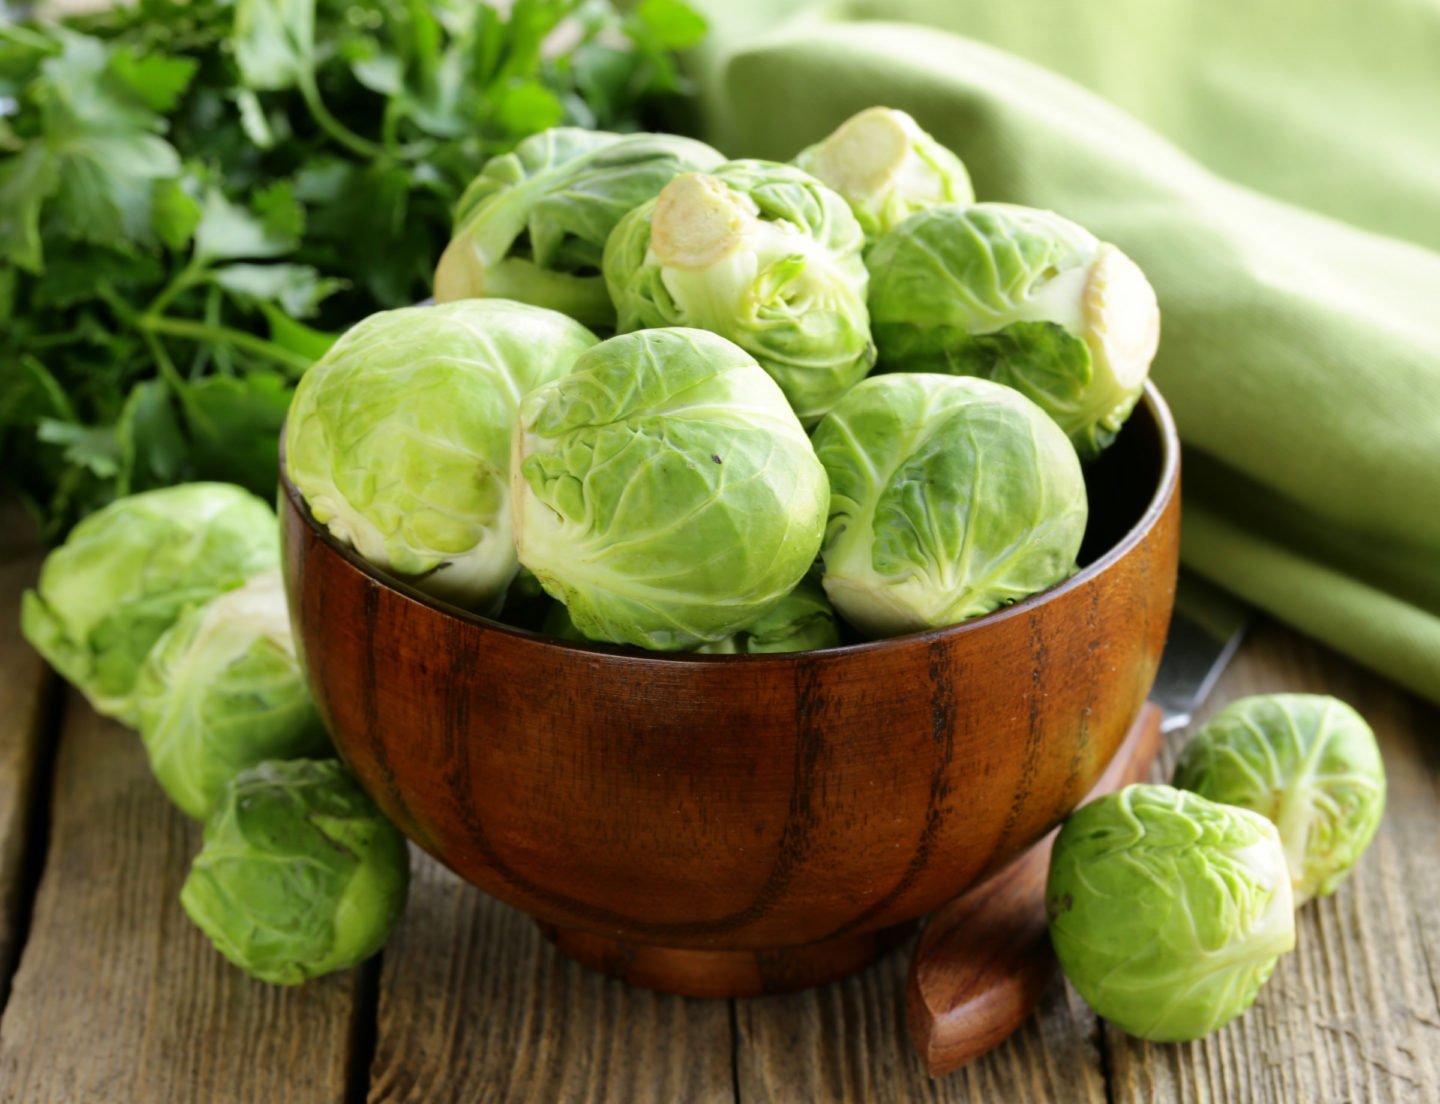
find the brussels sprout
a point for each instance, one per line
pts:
(532, 226)
(1022, 297)
(222, 691)
(949, 497)
(801, 622)
(762, 254)
(664, 491)
(128, 571)
(1167, 911)
(887, 168)
(1307, 762)
(300, 875)
(399, 437)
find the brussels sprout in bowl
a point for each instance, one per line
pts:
(735, 823)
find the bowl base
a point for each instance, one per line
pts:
(726, 973)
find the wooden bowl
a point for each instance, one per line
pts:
(719, 825)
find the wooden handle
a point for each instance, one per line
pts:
(984, 960)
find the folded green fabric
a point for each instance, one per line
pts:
(1274, 167)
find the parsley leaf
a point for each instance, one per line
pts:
(182, 181)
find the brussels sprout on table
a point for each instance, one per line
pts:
(664, 491)
(760, 253)
(1022, 297)
(128, 571)
(1168, 912)
(399, 437)
(532, 226)
(1307, 762)
(949, 497)
(887, 168)
(300, 875)
(222, 691)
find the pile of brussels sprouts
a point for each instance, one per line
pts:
(1169, 906)
(836, 393)
(166, 610)
(839, 399)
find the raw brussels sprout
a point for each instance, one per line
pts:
(1307, 762)
(760, 253)
(1022, 297)
(399, 437)
(128, 571)
(801, 622)
(532, 226)
(887, 168)
(949, 497)
(222, 691)
(300, 875)
(1167, 911)
(664, 491)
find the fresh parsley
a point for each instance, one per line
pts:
(196, 195)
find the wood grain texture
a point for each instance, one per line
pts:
(26, 694)
(118, 999)
(1353, 1015)
(476, 1006)
(983, 962)
(847, 1043)
(744, 803)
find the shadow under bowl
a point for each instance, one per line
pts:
(727, 825)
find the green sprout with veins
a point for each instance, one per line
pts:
(664, 491)
(802, 621)
(887, 168)
(300, 874)
(949, 497)
(759, 253)
(1167, 911)
(399, 438)
(1309, 763)
(532, 226)
(1022, 297)
(128, 571)
(223, 690)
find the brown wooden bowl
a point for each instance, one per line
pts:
(721, 825)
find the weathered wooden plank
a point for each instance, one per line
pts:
(25, 693)
(476, 1006)
(847, 1042)
(117, 997)
(1354, 1013)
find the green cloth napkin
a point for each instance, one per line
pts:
(1274, 167)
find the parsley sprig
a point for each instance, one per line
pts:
(196, 195)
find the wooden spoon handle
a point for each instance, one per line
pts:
(984, 960)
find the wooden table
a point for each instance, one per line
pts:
(110, 996)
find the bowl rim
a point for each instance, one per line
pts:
(1164, 491)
